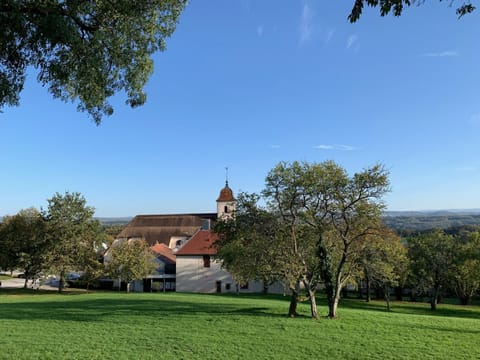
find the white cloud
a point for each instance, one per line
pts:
(441, 54)
(306, 23)
(352, 39)
(260, 30)
(275, 146)
(335, 147)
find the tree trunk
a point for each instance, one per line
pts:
(292, 310)
(367, 285)
(398, 293)
(265, 288)
(387, 296)
(313, 304)
(434, 298)
(465, 299)
(61, 281)
(25, 284)
(333, 297)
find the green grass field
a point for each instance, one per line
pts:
(185, 326)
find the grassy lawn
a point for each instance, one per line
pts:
(77, 325)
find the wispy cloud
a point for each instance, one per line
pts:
(352, 39)
(335, 147)
(329, 35)
(306, 24)
(275, 146)
(260, 30)
(440, 54)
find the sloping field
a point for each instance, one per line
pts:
(187, 326)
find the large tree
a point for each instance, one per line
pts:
(72, 232)
(24, 242)
(83, 50)
(398, 6)
(432, 256)
(327, 217)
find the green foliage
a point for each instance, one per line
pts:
(130, 260)
(397, 7)
(465, 272)
(198, 326)
(73, 233)
(248, 244)
(83, 50)
(24, 242)
(431, 255)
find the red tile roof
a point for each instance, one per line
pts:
(200, 244)
(165, 251)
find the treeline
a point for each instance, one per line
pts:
(65, 237)
(412, 224)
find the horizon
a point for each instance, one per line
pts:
(246, 85)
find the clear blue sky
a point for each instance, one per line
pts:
(246, 84)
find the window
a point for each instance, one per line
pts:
(206, 261)
(228, 286)
(225, 209)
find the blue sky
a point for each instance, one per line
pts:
(246, 84)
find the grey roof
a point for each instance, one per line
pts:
(157, 229)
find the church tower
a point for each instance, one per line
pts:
(225, 203)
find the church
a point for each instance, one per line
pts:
(183, 245)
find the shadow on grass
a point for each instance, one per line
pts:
(71, 307)
(414, 308)
(97, 308)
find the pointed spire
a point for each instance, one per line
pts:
(226, 176)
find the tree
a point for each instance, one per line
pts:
(72, 231)
(329, 216)
(431, 256)
(24, 242)
(465, 272)
(130, 260)
(83, 50)
(286, 187)
(248, 244)
(397, 7)
(385, 262)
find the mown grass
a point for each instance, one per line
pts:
(40, 325)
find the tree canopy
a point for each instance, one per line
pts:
(72, 231)
(398, 6)
(83, 50)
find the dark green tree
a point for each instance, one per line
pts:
(465, 272)
(24, 243)
(398, 6)
(432, 256)
(83, 50)
(72, 231)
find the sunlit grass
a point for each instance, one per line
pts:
(185, 326)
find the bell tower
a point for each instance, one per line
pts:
(225, 202)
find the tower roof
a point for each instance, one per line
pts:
(226, 194)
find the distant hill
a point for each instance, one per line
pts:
(110, 221)
(412, 221)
